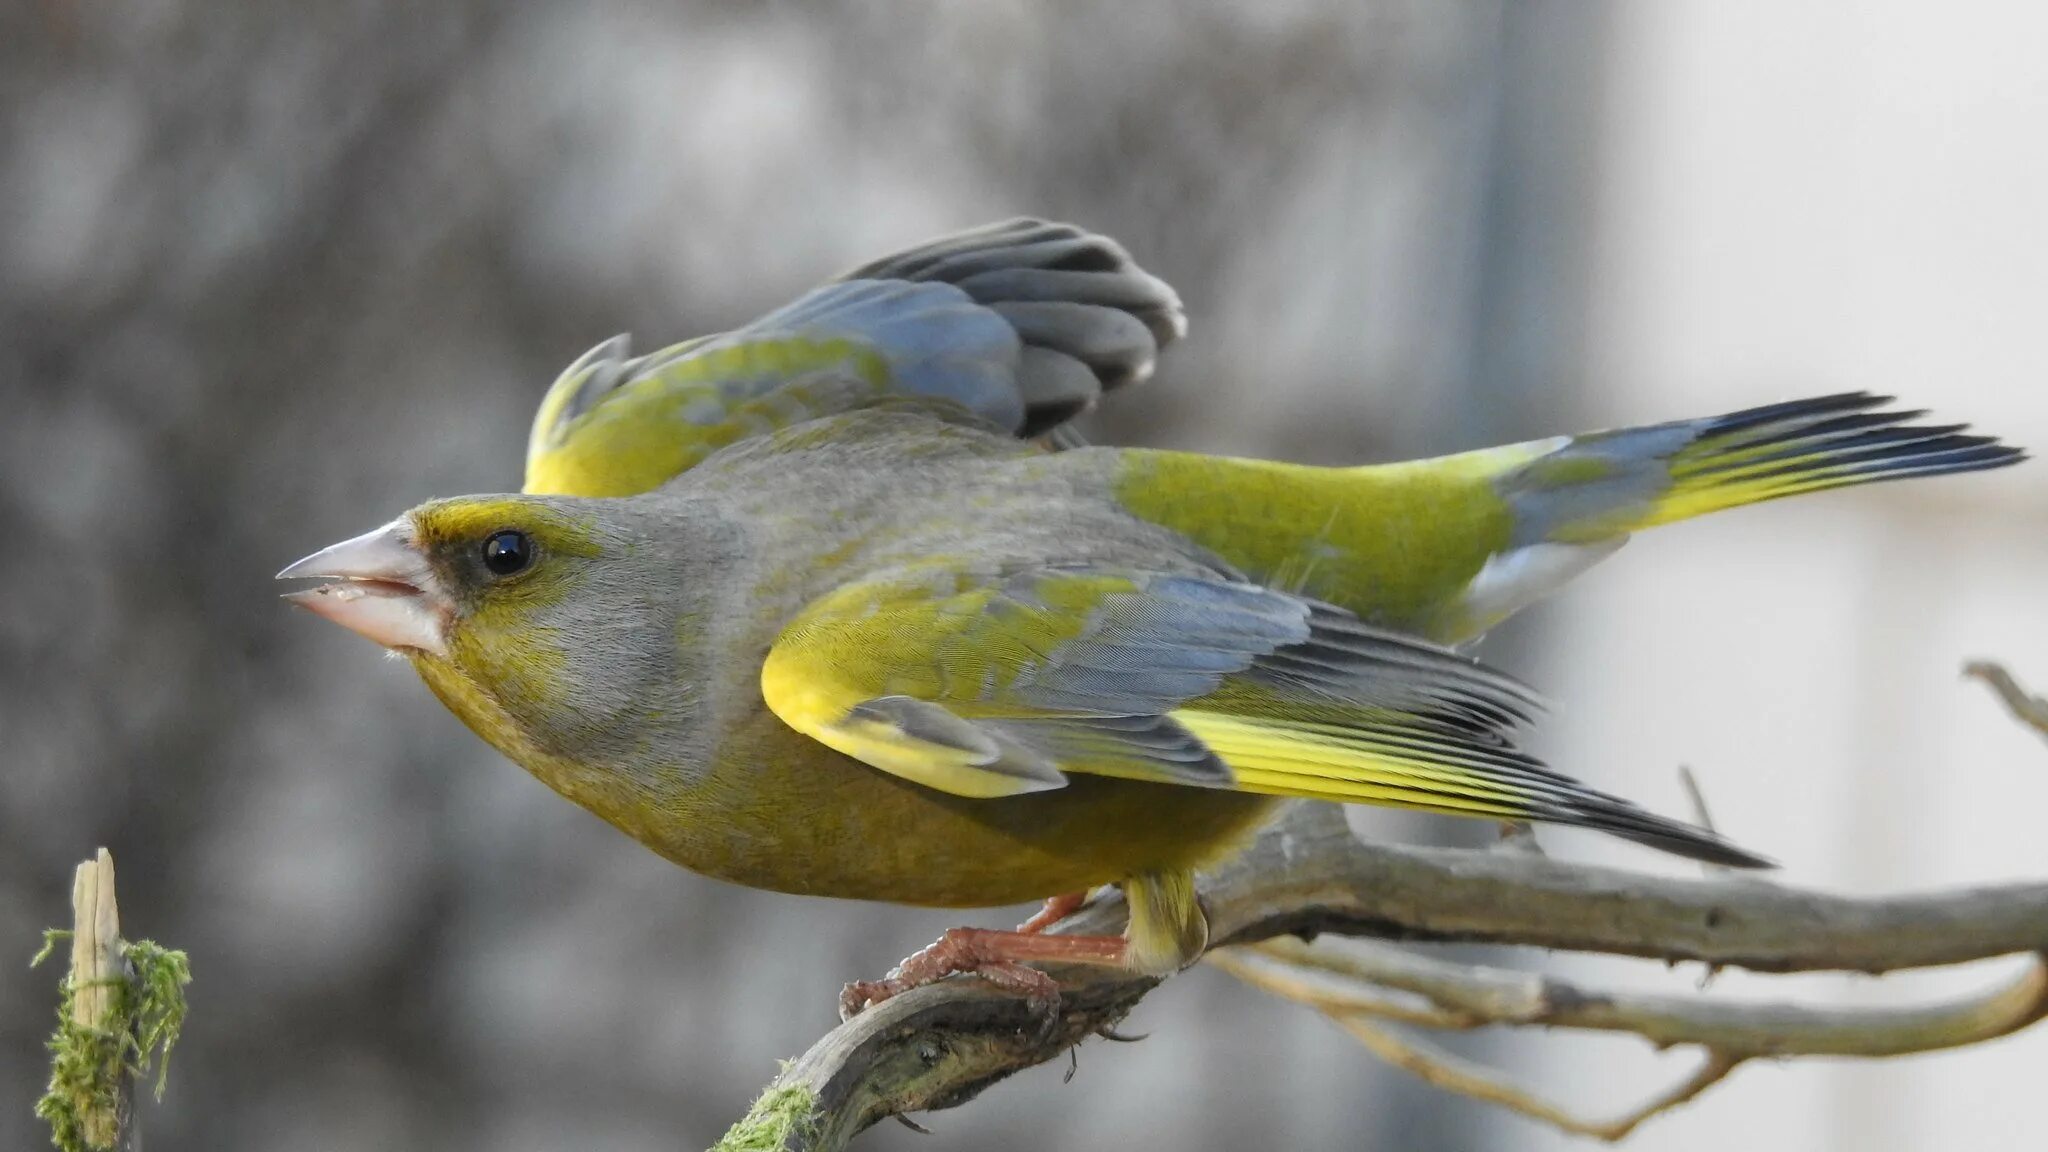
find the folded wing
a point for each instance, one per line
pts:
(997, 684)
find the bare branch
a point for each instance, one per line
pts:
(1353, 977)
(1271, 966)
(1308, 875)
(98, 970)
(935, 1047)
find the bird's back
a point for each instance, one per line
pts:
(847, 497)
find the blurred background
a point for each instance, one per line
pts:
(270, 273)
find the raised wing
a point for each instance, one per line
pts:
(1023, 324)
(1000, 685)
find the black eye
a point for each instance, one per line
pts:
(507, 552)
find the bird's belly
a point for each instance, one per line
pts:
(780, 811)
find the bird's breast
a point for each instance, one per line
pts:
(776, 810)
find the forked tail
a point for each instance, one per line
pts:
(1607, 483)
(1574, 500)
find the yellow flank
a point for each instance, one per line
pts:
(1395, 543)
(850, 830)
(652, 429)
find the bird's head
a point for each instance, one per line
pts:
(548, 624)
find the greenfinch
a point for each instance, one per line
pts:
(806, 608)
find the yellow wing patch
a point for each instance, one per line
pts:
(1356, 766)
(990, 686)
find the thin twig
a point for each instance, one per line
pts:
(2025, 707)
(1696, 798)
(1704, 818)
(1333, 994)
(1467, 1078)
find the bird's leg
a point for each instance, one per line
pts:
(1057, 908)
(997, 957)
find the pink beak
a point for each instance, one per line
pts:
(384, 590)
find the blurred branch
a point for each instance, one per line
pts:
(2028, 709)
(1307, 875)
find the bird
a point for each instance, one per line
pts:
(837, 603)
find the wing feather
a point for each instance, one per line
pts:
(1005, 683)
(1023, 325)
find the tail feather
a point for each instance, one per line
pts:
(1813, 446)
(1602, 486)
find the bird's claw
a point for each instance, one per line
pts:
(1040, 992)
(959, 951)
(861, 995)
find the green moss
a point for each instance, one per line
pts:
(87, 1064)
(781, 1115)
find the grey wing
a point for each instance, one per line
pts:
(1024, 324)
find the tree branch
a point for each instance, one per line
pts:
(1306, 875)
(1351, 977)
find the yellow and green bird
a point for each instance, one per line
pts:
(801, 607)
